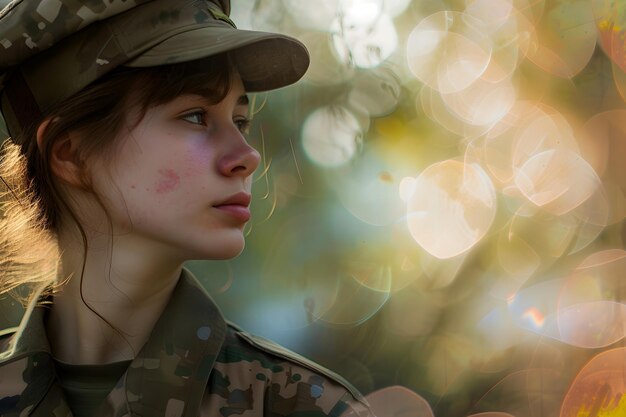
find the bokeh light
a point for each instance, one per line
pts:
(364, 37)
(399, 402)
(451, 208)
(610, 19)
(566, 38)
(330, 136)
(592, 313)
(557, 181)
(605, 150)
(599, 387)
(483, 102)
(493, 13)
(368, 283)
(396, 7)
(368, 190)
(532, 392)
(447, 52)
(529, 149)
(432, 104)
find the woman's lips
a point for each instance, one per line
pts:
(236, 211)
(236, 206)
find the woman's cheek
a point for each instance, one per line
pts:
(167, 182)
(197, 161)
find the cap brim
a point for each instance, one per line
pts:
(265, 61)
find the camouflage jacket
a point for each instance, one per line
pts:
(194, 364)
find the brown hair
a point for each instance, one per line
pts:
(30, 201)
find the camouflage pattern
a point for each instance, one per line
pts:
(28, 27)
(194, 364)
(58, 47)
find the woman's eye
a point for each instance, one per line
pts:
(243, 124)
(197, 118)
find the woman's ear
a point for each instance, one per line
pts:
(63, 160)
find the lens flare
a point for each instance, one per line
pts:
(534, 308)
(534, 316)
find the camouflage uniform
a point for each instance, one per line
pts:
(194, 364)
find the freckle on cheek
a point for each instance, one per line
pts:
(169, 181)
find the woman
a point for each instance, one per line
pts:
(127, 158)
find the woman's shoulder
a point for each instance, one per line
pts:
(243, 346)
(254, 373)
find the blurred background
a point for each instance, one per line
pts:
(441, 201)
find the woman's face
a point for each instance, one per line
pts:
(181, 178)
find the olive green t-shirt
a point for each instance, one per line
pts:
(86, 386)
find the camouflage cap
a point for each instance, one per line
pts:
(51, 49)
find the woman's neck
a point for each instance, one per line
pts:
(107, 314)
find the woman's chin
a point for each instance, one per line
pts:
(226, 249)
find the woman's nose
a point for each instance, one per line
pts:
(242, 159)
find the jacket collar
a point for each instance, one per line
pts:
(167, 377)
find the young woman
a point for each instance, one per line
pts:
(126, 158)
